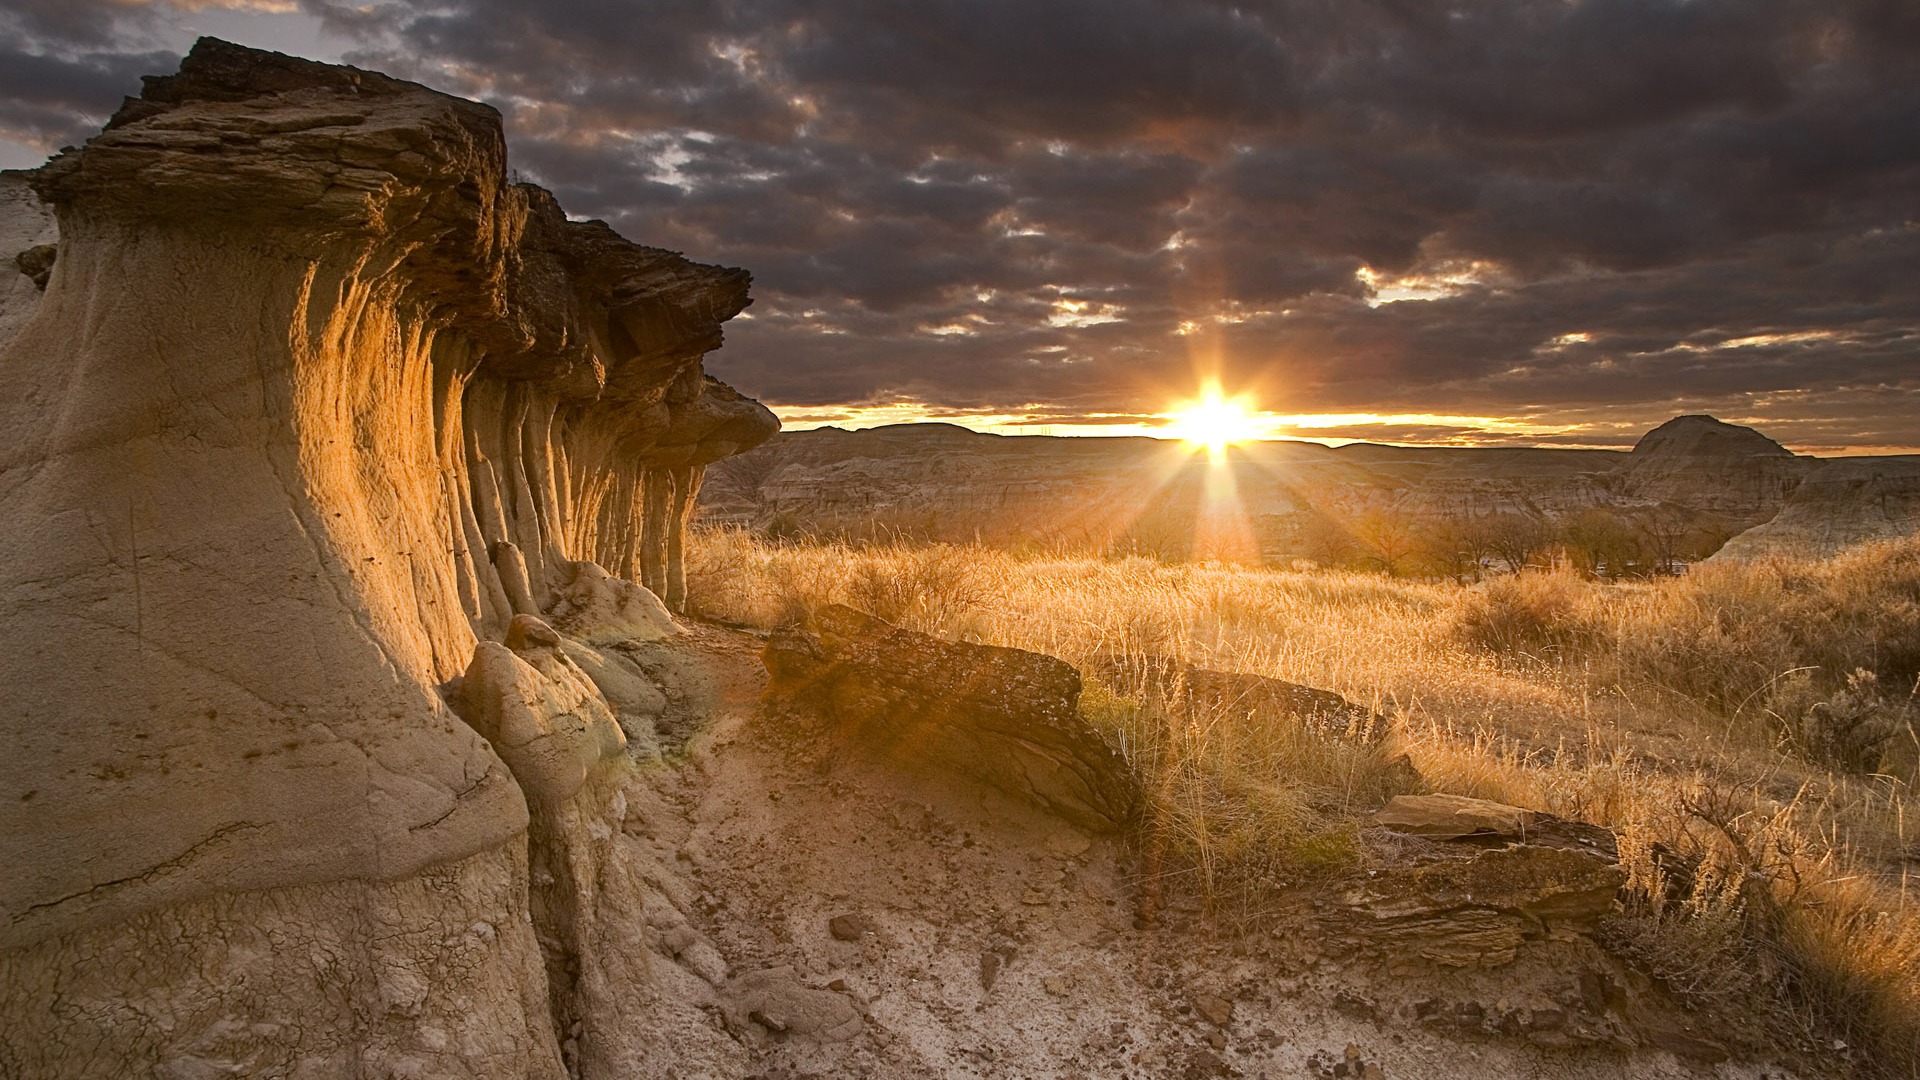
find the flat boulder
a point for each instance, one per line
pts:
(1261, 697)
(1007, 718)
(1266, 698)
(1449, 817)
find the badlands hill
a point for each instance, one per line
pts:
(945, 482)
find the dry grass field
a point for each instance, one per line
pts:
(1748, 732)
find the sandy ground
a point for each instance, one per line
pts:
(922, 926)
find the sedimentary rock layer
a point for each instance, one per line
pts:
(312, 401)
(1005, 717)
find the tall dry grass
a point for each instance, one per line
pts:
(1751, 724)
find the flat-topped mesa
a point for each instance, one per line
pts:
(313, 400)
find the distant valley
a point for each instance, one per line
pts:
(1692, 488)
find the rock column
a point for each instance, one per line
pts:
(656, 492)
(686, 488)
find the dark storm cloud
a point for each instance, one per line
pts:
(65, 65)
(56, 101)
(69, 23)
(1605, 210)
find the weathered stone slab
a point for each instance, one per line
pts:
(1006, 717)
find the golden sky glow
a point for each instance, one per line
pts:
(1237, 416)
(1430, 277)
(1332, 429)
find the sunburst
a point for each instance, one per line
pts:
(1214, 421)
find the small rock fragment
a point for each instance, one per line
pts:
(1218, 1011)
(990, 965)
(530, 632)
(847, 927)
(1204, 1064)
(1069, 844)
(37, 263)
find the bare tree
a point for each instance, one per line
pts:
(1603, 544)
(1387, 540)
(1328, 540)
(1515, 539)
(1665, 529)
(1455, 545)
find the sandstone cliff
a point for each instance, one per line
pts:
(312, 403)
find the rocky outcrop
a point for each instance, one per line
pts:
(1004, 717)
(1273, 700)
(1705, 464)
(540, 712)
(314, 403)
(1841, 503)
(1493, 878)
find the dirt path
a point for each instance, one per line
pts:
(870, 922)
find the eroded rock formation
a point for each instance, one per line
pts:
(1707, 464)
(314, 403)
(1842, 502)
(1005, 717)
(1485, 879)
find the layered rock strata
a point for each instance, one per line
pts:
(1841, 503)
(1489, 878)
(313, 404)
(1004, 717)
(1706, 464)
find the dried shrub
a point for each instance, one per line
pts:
(1534, 613)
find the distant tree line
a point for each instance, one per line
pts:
(1611, 544)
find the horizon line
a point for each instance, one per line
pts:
(1011, 426)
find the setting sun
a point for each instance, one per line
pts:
(1214, 421)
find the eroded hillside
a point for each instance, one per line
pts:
(1693, 481)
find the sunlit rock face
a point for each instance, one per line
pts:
(311, 401)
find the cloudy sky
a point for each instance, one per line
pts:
(1407, 220)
